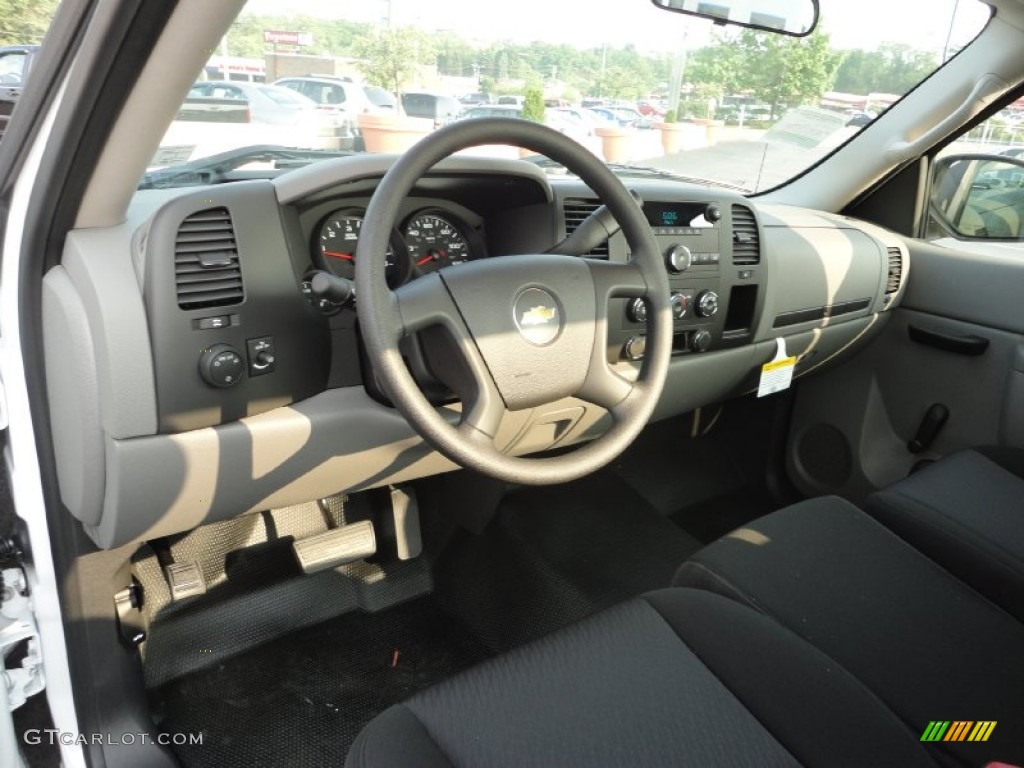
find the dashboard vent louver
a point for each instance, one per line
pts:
(746, 244)
(575, 212)
(206, 268)
(892, 285)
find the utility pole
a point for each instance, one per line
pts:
(675, 83)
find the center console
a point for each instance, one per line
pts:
(712, 254)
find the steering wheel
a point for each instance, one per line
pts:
(513, 332)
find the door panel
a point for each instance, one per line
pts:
(957, 339)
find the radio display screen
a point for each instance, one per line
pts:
(676, 214)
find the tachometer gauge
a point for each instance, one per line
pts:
(434, 242)
(339, 236)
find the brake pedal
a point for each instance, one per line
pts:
(347, 544)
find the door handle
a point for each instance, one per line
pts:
(968, 344)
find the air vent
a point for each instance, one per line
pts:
(575, 212)
(746, 248)
(892, 285)
(206, 268)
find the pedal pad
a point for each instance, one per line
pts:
(185, 580)
(336, 547)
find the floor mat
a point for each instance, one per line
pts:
(552, 556)
(302, 699)
(713, 518)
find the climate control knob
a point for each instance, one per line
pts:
(221, 366)
(701, 341)
(678, 304)
(636, 311)
(635, 348)
(678, 259)
(707, 304)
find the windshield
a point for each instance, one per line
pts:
(640, 87)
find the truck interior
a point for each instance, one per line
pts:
(638, 471)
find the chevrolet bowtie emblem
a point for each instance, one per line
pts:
(538, 316)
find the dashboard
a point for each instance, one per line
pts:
(201, 354)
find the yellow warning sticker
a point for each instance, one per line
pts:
(777, 374)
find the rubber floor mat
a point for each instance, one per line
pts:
(302, 699)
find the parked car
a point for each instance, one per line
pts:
(475, 98)
(441, 109)
(513, 100)
(563, 123)
(335, 94)
(15, 63)
(231, 101)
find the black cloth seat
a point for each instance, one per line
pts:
(928, 645)
(966, 512)
(679, 677)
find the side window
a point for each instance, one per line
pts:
(12, 68)
(335, 94)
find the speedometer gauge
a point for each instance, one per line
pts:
(339, 236)
(433, 242)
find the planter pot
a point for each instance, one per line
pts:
(672, 136)
(392, 134)
(711, 128)
(614, 143)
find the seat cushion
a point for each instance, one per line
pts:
(966, 512)
(676, 678)
(929, 646)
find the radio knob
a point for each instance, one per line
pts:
(713, 213)
(707, 304)
(678, 303)
(678, 259)
(221, 366)
(637, 311)
(701, 341)
(635, 348)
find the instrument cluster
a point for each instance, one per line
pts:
(427, 240)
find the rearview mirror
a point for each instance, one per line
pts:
(977, 197)
(788, 17)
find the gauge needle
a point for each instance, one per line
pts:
(425, 260)
(345, 256)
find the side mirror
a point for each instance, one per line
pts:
(787, 17)
(979, 197)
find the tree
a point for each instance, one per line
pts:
(785, 71)
(889, 68)
(533, 103)
(24, 22)
(390, 57)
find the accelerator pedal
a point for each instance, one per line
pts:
(338, 546)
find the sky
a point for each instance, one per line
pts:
(586, 23)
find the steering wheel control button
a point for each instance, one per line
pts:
(635, 348)
(537, 316)
(678, 259)
(678, 303)
(221, 366)
(707, 304)
(261, 355)
(636, 311)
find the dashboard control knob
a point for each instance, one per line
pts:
(678, 259)
(221, 366)
(701, 341)
(637, 311)
(713, 213)
(707, 304)
(635, 348)
(678, 303)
